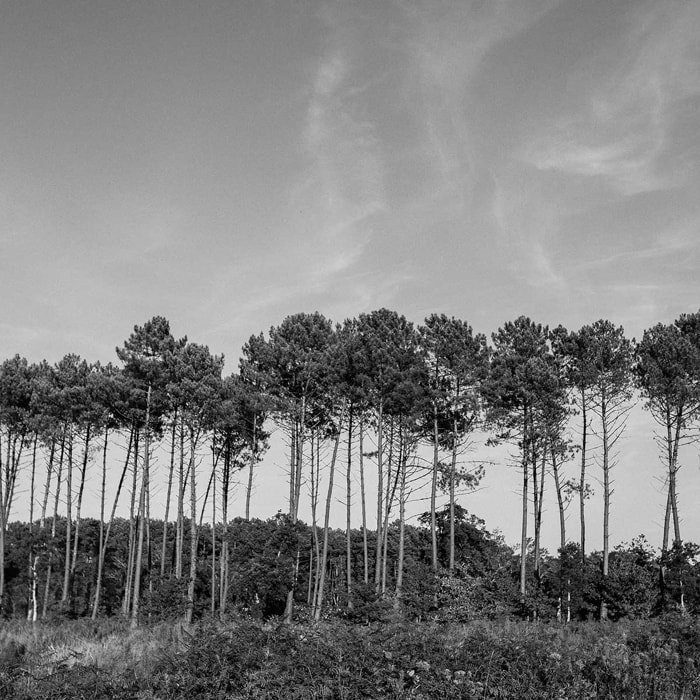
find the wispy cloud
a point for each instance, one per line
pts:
(342, 189)
(622, 133)
(446, 45)
(527, 224)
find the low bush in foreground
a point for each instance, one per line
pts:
(247, 659)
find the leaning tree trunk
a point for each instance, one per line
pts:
(326, 522)
(171, 472)
(79, 503)
(49, 567)
(65, 595)
(105, 540)
(126, 602)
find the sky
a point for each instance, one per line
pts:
(226, 164)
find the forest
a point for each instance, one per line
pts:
(374, 400)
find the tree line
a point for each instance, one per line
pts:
(373, 393)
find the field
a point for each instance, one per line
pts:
(243, 658)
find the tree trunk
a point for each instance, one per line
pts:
(103, 542)
(251, 467)
(223, 559)
(141, 515)
(295, 493)
(672, 478)
(582, 484)
(380, 498)
(31, 609)
(453, 478)
(402, 511)
(213, 542)
(49, 567)
(326, 521)
(560, 499)
(388, 500)
(126, 602)
(606, 508)
(180, 532)
(47, 487)
(348, 514)
(365, 550)
(171, 474)
(2, 527)
(523, 534)
(433, 492)
(79, 504)
(193, 529)
(65, 595)
(315, 484)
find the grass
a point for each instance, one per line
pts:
(247, 659)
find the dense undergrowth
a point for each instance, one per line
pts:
(244, 658)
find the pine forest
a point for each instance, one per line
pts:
(156, 586)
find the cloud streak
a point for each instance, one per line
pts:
(622, 133)
(342, 190)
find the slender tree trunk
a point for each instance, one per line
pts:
(34, 612)
(126, 603)
(315, 485)
(223, 559)
(523, 534)
(300, 461)
(310, 589)
(79, 503)
(171, 473)
(453, 479)
(3, 521)
(388, 500)
(365, 550)
(31, 609)
(180, 533)
(213, 540)
(251, 467)
(103, 545)
(296, 491)
(678, 419)
(582, 484)
(538, 488)
(326, 521)
(606, 508)
(66, 596)
(348, 514)
(101, 539)
(292, 464)
(11, 474)
(141, 514)
(47, 487)
(433, 491)
(49, 568)
(402, 510)
(560, 499)
(193, 528)
(380, 497)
